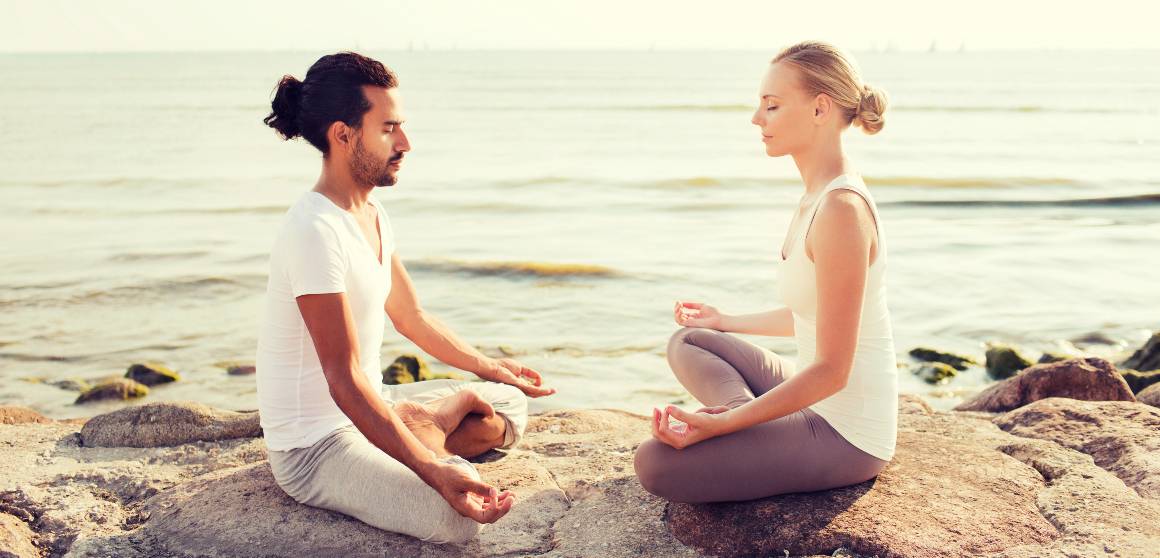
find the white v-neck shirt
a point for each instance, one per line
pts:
(319, 249)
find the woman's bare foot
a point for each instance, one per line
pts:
(433, 422)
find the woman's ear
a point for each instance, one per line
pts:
(822, 106)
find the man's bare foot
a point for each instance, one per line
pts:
(432, 422)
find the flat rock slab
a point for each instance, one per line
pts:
(168, 424)
(939, 497)
(1123, 438)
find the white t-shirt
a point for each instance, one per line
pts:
(319, 249)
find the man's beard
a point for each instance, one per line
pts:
(367, 169)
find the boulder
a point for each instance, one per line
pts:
(151, 374)
(1004, 361)
(116, 388)
(959, 362)
(1146, 357)
(1092, 379)
(1122, 437)
(167, 424)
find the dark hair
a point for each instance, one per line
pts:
(332, 92)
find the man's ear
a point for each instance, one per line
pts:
(340, 135)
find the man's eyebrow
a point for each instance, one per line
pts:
(393, 123)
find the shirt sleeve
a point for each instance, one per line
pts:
(316, 263)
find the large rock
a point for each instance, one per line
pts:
(168, 424)
(935, 373)
(939, 497)
(1150, 395)
(1122, 437)
(1091, 379)
(16, 539)
(12, 414)
(1146, 357)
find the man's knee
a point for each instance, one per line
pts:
(454, 528)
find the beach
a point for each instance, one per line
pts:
(557, 211)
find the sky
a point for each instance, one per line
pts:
(230, 25)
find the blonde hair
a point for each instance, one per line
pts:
(826, 69)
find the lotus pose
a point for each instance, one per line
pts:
(769, 426)
(392, 457)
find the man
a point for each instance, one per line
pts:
(394, 459)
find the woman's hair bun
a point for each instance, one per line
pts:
(871, 107)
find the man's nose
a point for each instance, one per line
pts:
(404, 143)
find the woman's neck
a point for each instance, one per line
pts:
(821, 164)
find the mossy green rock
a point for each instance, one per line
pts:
(1004, 361)
(959, 362)
(409, 369)
(151, 374)
(1146, 357)
(1050, 357)
(118, 388)
(935, 372)
(1138, 381)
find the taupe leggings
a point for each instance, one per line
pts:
(799, 452)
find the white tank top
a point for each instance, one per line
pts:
(865, 412)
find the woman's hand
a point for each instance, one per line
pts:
(511, 372)
(707, 422)
(696, 314)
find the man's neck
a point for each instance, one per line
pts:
(340, 187)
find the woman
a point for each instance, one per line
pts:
(767, 428)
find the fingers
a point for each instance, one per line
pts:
(682, 415)
(535, 391)
(693, 305)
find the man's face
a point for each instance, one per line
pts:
(380, 143)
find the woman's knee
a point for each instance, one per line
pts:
(649, 463)
(679, 341)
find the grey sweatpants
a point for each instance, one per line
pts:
(344, 472)
(799, 452)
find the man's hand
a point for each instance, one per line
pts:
(471, 498)
(511, 372)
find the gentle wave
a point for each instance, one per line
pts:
(515, 269)
(153, 256)
(204, 288)
(1122, 201)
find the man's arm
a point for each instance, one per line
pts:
(330, 323)
(437, 340)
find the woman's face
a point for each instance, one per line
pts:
(786, 115)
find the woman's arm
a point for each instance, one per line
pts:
(773, 323)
